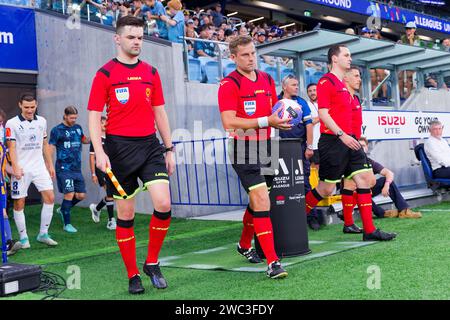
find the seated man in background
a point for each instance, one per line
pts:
(387, 187)
(438, 151)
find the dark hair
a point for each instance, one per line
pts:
(103, 118)
(310, 85)
(27, 96)
(2, 114)
(129, 21)
(334, 51)
(70, 110)
(239, 41)
(354, 68)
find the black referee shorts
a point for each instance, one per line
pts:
(337, 160)
(252, 162)
(133, 159)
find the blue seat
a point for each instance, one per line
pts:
(316, 76)
(307, 77)
(212, 72)
(433, 183)
(273, 73)
(228, 68)
(194, 70)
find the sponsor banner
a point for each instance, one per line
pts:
(387, 12)
(395, 125)
(17, 39)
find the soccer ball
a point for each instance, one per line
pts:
(290, 110)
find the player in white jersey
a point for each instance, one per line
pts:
(31, 161)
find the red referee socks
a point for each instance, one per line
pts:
(127, 245)
(311, 200)
(264, 233)
(248, 231)
(159, 225)
(348, 203)
(364, 198)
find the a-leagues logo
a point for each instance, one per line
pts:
(122, 94)
(280, 200)
(250, 107)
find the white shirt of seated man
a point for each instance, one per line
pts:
(436, 147)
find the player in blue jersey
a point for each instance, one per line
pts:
(68, 138)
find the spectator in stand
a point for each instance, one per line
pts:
(446, 44)
(174, 21)
(204, 49)
(205, 19)
(217, 15)
(260, 37)
(221, 35)
(350, 31)
(243, 31)
(438, 151)
(154, 11)
(137, 9)
(366, 32)
(196, 23)
(190, 43)
(124, 9)
(412, 39)
(190, 26)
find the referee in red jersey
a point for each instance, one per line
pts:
(131, 90)
(340, 153)
(246, 97)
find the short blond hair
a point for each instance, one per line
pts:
(239, 41)
(175, 4)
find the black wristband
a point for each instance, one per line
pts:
(169, 148)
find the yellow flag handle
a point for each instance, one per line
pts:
(116, 183)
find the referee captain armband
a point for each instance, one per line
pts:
(263, 122)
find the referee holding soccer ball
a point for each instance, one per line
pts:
(246, 97)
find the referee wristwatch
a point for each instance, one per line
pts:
(339, 133)
(171, 148)
(310, 147)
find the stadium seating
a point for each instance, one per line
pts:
(273, 72)
(195, 72)
(212, 72)
(316, 77)
(433, 183)
(228, 67)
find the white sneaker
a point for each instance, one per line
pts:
(111, 224)
(45, 238)
(25, 243)
(95, 213)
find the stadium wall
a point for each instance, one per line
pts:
(68, 60)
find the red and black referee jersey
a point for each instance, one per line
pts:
(129, 93)
(357, 116)
(334, 96)
(250, 99)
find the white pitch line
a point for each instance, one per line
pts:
(210, 250)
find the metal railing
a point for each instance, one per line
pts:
(204, 175)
